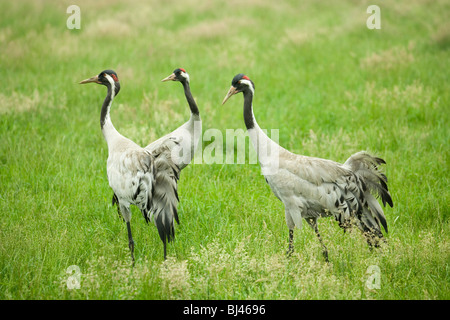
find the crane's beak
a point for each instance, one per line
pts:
(231, 92)
(93, 79)
(171, 77)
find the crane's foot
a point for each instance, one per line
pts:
(131, 246)
(313, 223)
(289, 251)
(325, 255)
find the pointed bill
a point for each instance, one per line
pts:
(93, 79)
(231, 92)
(171, 77)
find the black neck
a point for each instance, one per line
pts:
(248, 112)
(189, 98)
(107, 103)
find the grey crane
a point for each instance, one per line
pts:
(136, 175)
(173, 152)
(312, 187)
(187, 136)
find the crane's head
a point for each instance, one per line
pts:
(178, 75)
(106, 78)
(240, 83)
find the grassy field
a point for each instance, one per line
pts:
(329, 84)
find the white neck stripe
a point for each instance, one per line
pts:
(248, 83)
(113, 85)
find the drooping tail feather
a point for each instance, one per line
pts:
(366, 167)
(163, 209)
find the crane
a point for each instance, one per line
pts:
(188, 135)
(311, 187)
(134, 172)
(168, 161)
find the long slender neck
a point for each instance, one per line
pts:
(190, 99)
(106, 107)
(105, 119)
(249, 118)
(266, 149)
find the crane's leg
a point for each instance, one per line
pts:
(313, 223)
(165, 250)
(291, 225)
(126, 214)
(130, 241)
(290, 249)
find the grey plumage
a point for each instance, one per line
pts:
(320, 187)
(165, 194)
(147, 177)
(168, 164)
(130, 168)
(312, 187)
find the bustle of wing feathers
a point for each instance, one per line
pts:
(315, 187)
(165, 200)
(367, 166)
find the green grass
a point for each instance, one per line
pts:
(329, 84)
